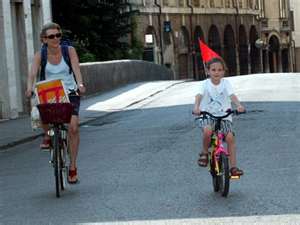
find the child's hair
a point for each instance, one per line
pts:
(216, 60)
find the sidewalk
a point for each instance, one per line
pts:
(17, 131)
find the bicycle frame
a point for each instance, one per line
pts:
(217, 148)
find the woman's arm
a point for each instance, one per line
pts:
(76, 68)
(33, 73)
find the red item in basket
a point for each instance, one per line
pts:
(51, 91)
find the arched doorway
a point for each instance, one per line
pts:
(150, 48)
(198, 34)
(243, 50)
(274, 47)
(254, 51)
(229, 50)
(183, 57)
(214, 40)
(285, 60)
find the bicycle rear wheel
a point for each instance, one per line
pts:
(56, 161)
(224, 177)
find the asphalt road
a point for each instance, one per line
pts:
(139, 166)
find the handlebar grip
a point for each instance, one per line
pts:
(238, 113)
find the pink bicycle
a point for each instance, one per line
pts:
(218, 155)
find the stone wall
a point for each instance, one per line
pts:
(104, 76)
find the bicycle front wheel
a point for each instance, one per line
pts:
(215, 178)
(63, 172)
(224, 176)
(57, 161)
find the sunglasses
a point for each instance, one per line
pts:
(52, 36)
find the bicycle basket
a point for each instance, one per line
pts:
(55, 112)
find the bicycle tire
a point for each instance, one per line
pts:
(56, 161)
(63, 153)
(224, 177)
(62, 168)
(215, 180)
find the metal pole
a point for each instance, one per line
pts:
(237, 47)
(192, 38)
(159, 27)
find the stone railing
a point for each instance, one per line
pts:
(104, 76)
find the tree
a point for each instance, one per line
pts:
(98, 28)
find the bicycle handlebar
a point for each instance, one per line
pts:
(229, 112)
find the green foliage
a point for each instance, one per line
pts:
(101, 29)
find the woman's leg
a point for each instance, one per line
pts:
(74, 144)
(46, 139)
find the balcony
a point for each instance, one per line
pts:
(285, 25)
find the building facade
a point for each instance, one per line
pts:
(277, 25)
(251, 35)
(20, 23)
(295, 13)
(243, 32)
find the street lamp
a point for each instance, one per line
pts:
(260, 44)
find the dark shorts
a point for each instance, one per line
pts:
(75, 100)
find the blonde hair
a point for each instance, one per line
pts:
(46, 27)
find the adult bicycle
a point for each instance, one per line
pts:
(218, 156)
(56, 115)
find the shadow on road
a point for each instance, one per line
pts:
(141, 165)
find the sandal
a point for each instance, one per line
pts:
(236, 171)
(203, 159)
(72, 173)
(46, 143)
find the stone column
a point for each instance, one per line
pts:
(237, 54)
(46, 11)
(249, 58)
(9, 105)
(279, 63)
(28, 31)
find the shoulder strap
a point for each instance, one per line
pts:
(65, 54)
(43, 62)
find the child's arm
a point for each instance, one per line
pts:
(197, 104)
(236, 101)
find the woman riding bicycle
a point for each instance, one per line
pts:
(57, 68)
(215, 96)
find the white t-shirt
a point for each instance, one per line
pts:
(216, 98)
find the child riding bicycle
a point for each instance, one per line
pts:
(215, 96)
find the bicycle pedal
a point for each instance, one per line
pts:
(235, 177)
